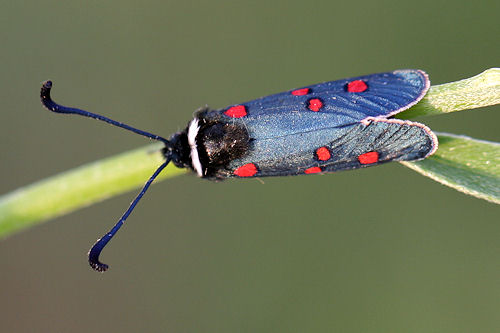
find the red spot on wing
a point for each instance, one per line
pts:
(300, 92)
(247, 170)
(323, 154)
(237, 111)
(368, 158)
(312, 170)
(356, 86)
(315, 104)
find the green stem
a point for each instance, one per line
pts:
(80, 187)
(472, 93)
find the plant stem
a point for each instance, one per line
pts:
(80, 187)
(472, 93)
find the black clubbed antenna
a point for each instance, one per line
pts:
(53, 106)
(95, 251)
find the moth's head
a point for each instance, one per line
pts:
(179, 150)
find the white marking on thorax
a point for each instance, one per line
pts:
(195, 158)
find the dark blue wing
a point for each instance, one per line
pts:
(287, 113)
(369, 143)
(333, 126)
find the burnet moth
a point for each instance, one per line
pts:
(327, 127)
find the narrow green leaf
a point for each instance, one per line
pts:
(80, 187)
(478, 91)
(465, 164)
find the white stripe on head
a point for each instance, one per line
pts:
(193, 129)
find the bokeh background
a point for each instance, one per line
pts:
(376, 250)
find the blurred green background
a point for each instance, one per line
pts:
(376, 250)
